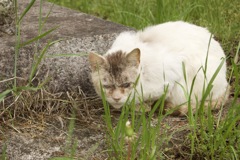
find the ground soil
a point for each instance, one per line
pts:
(47, 136)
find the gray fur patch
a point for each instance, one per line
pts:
(117, 63)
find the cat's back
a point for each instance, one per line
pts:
(172, 37)
(174, 32)
(181, 37)
(125, 41)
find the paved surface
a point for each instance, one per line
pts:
(80, 34)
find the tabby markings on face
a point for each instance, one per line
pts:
(117, 73)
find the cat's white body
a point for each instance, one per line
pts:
(165, 48)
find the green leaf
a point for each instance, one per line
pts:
(4, 94)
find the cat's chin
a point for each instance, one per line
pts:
(117, 106)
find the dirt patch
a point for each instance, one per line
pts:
(48, 136)
(41, 140)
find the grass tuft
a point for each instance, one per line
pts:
(208, 134)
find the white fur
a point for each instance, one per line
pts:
(164, 48)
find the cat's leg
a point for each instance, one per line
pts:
(177, 110)
(176, 100)
(217, 103)
(182, 110)
(144, 107)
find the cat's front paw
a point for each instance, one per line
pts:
(144, 107)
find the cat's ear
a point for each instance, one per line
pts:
(134, 57)
(95, 61)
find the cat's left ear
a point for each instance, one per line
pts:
(95, 61)
(134, 57)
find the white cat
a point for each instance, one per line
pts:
(144, 63)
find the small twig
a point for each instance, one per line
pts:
(5, 80)
(14, 128)
(10, 105)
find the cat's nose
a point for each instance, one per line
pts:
(116, 95)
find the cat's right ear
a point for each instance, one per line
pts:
(95, 61)
(134, 57)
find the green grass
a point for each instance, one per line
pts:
(208, 136)
(3, 155)
(38, 55)
(137, 140)
(220, 16)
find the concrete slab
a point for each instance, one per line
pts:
(80, 34)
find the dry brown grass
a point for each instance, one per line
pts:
(40, 106)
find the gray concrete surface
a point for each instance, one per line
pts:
(80, 34)
(6, 17)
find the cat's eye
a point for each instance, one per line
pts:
(125, 85)
(108, 86)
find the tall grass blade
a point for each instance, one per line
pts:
(235, 70)
(39, 59)
(237, 54)
(185, 76)
(41, 24)
(66, 55)
(3, 154)
(91, 151)
(71, 145)
(26, 10)
(235, 155)
(4, 94)
(107, 115)
(210, 84)
(231, 125)
(206, 60)
(17, 49)
(38, 37)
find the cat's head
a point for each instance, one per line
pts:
(117, 73)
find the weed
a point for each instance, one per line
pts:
(209, 135)
(3, 155)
